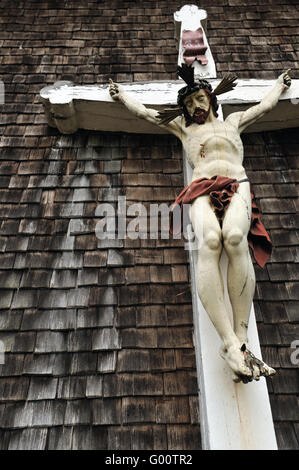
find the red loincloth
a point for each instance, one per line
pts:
(221, 189)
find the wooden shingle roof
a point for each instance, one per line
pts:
(99, 335)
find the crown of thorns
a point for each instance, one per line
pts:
(187, 74)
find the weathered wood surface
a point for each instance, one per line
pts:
(40, 173)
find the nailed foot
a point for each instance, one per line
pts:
(245, 366)
(259, 368)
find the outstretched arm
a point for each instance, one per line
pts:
(117, 93)
(244, 119)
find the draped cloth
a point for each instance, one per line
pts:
(221, 189)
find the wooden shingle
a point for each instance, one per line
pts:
(102, 356)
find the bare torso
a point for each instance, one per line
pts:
(214, 148)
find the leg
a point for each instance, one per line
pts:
(241, 276)
(210, 284)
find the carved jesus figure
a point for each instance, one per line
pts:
(214, 149)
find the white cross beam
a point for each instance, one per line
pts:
(69, 107)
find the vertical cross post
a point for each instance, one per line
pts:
(233, 416)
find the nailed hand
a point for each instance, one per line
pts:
(114, 90)
(285, 79)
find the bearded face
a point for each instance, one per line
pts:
(200, 115)
(198, 107)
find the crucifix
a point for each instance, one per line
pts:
(223, 209)
(233, 416)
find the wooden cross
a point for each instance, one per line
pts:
(233, 416)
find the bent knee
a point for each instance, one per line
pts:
(233, 238)
(213, 240)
